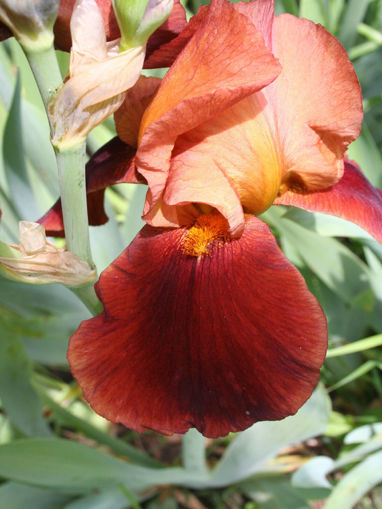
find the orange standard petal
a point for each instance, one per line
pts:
(315, 106)
(227, 129)
(129, 116)
(231, 163)
(291, 135)
(225, 60)
(209, 141)
(200, 331)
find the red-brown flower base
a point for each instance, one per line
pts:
(200, 331)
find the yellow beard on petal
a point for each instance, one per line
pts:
(207, 229)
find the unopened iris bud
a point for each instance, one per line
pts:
(37, 261)
(30, 21)
(101, 72)
(138, 19)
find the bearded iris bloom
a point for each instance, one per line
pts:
(206, 324)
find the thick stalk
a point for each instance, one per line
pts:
(70, 161)
(71, 173)
(89, 297)
(46, 71)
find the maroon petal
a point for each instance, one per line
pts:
(4, 32)
(352, 198)
(165, 55)
(111, 164)
(53, 221)
(157, 51)
(165, 33)
(62, 37)
(216, 341)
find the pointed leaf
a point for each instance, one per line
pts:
(19, 496)
(14, 161)
(18, 397)
(250, 450)
(356, 483)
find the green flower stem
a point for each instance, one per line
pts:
(370, 33)
(46, 71)
(363, 49)
(70, 161)
(71, 173)
(89, 297)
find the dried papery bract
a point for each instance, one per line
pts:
(99, 76)
(38, 261)
(30, 21)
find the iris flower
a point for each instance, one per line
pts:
(206, 324)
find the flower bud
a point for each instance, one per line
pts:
(31, 21)
(37, 261)
(98, 79)
(138, 19)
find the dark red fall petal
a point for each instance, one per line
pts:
(165, 33)
(170, 29)
(352, 198)
(215, 342)
(4, 32)
(62, 37)
(53, 221)
(111, 164)
(166, 53)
